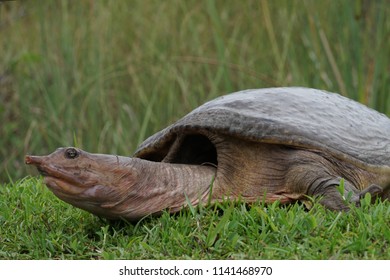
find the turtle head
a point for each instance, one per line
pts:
(93, 182)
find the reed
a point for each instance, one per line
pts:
(107, 74)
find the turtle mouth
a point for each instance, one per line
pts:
(42, 171)
(56, 178)
(62, 188)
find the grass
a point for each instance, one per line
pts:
(106, 74)
(37, 225)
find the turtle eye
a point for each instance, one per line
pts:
(71, 153)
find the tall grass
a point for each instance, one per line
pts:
(106, 74)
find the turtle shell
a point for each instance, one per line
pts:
(293, 116)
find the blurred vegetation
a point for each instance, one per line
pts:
(106, 74)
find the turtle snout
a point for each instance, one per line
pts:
(37, 162)
(34, 160)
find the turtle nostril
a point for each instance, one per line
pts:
(27, 160)
(35, 160)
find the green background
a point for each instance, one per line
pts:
(106, 74)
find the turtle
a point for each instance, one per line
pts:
(289, 144)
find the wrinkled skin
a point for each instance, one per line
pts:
(120, 187)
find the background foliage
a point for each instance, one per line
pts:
(106, 74)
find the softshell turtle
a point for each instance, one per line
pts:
(285, 144)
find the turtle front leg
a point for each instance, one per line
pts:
(330, 194)
(317, 176)
(375, 191)
(333, 198)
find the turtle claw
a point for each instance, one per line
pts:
(331, 197)
(374, 190)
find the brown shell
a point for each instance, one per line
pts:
(301, 117)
